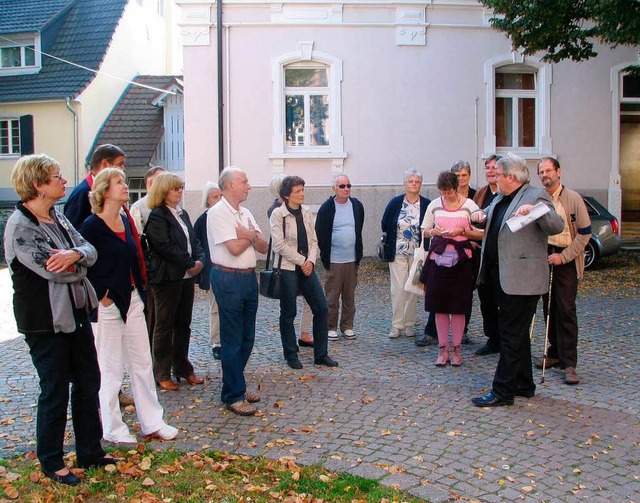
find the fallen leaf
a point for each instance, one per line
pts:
(527, 489)
(148, 482)
(324, 479)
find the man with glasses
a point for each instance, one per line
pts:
(566, 257)
(488, 302)
(339, 229)
(514, 265)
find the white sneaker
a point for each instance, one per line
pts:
(394, 334)
(333, 335)
(167, 432)
(408, 331)
(349, 334)
(126, 439)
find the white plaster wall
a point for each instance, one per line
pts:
(402, 106)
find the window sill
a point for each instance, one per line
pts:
(525, 153)
(308, 155)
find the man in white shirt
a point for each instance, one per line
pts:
(234, 238)
(339, 230)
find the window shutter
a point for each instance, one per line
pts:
(26, 135)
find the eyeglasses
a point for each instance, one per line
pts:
(57, 177)
(181, 187)
(498, 175)
(344, 185)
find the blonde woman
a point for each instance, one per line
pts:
(173, 241)
(121, 330)
(48, 261)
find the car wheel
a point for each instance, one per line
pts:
(590, 254)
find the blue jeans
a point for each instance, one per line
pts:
(309, 286)
(237, 298)
(61, 359)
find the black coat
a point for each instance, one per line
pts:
(389, 223)
(168, 245)
(324, 228)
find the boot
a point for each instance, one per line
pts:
(456, 356)
(443, 356)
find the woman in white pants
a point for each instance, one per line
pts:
(401, 224)
(121, 331)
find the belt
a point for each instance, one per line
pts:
(555, 249)
(249, 270)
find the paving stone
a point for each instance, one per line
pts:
(417, 417)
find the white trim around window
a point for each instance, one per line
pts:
(543, 144)
(9, 137)
(280, 151)
(20, 54)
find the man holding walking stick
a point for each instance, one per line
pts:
(566, 257)
(514, 264)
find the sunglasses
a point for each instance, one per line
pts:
(344, 186)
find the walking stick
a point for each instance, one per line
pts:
(546, 332)
(533, 322)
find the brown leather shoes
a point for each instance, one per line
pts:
(551, 362)
(571, 376)
(242, 408)
(168, 385)
(192, 379)
(251, 397)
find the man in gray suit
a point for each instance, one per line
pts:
(515, 265)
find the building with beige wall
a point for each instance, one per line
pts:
(71, 61)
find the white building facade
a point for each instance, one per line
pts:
(372, 88)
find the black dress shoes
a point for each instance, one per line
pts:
(426, 340)
(69, 479)
(490, 400)
(525, 393)
(294, 363)
(305, 344)
(487, 349)
(100, 462)
(326, 361)
(217, 352)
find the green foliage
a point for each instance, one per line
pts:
(567, 29)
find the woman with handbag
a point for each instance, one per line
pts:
(296, 246)
(401, 224)
(448, 270)
(180, 258)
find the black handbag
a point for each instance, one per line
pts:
(270, 278)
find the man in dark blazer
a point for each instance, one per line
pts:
(515, 265)
(77, 207)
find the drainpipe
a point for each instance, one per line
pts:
(75, 141)
(220, 89)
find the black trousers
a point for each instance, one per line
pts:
(515, 312)
(61, 359)
(489, 310)
(563, 324)
(172, 330)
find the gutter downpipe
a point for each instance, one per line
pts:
(75, 140)
(220, 89)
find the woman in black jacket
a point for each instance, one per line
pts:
(177, 259)
(401, 224)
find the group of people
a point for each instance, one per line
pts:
(133, 275)
(468, 243)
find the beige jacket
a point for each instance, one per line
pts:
(286, 244)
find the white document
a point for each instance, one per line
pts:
(517, 223)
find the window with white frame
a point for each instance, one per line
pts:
(518, 106)
(9, 136)
(19, 54)
(306, 105)
(516, 95)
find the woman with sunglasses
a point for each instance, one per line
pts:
(177, 259)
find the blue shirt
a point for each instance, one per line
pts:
(343, 235)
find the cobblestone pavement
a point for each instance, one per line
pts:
(388, 413)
